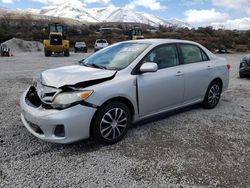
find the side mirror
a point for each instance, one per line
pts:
(148, 67)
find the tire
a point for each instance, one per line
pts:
(242, 75)
(213, 95)
(111, 123)
(47, 53)
(66, 53)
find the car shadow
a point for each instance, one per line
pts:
(76, 148)
(246, 78)
(89, 145)
(166, 115)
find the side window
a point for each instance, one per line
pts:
(191, 53)
(204, 56)
(164, 56)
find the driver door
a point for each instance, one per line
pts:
(164, 89)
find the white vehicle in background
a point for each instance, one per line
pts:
(100, 44)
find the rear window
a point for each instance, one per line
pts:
(101, 41)
(80, 43)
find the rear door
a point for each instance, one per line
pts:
(163, 89)
(197, 70)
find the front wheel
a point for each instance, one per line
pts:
(111, 123)
(242, 75)
(66, 53)
(213, 94)
(47, 53)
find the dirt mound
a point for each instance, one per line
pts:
(18, 45)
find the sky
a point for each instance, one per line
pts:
(195, 12)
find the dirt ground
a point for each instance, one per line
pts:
(192, 147)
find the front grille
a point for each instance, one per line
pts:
(248, 62)
(35, 128)
(55, 40)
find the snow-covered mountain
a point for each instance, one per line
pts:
(68, 10)
(78, 13)
(108, 14)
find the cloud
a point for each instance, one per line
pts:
(150, 4)
(240, 5)
(192, 2)
(7, 1)
(97, 1)
(77, 2)
(205, 16)
(240, 24)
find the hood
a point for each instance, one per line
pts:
(75, 75)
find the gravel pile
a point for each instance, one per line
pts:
(192, 147)
(18, 45)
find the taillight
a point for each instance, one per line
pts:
(228, 66)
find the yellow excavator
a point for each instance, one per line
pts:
(136, 33)
(57, 42)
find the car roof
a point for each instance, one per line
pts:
(100, 39)
(161, 41)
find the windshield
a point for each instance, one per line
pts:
(80, 44)
(116, 57)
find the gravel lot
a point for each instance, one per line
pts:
(189, 147)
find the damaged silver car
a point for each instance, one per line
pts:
(119, 85)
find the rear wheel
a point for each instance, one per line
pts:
(66, 53)
(111, 123)
(213, 94)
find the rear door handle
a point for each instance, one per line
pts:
(179, 73)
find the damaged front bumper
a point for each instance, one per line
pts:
(59, 126)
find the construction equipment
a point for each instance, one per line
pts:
(136, 33)
(57, 42)
(5, 51)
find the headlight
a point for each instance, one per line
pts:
(243, 64)
(66, 99)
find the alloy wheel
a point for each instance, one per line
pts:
(113, 123)
(214, 95)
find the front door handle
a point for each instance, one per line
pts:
(209, 67)
(179, 73)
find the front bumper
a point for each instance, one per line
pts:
(245, 71)
(81, 48)
(75, 120)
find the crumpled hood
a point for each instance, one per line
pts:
(73, 75)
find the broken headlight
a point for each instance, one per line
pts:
(66, 99)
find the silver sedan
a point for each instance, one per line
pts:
(119, 85)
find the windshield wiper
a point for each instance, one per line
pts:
(96, 66)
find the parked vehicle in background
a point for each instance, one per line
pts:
(100, 44)
(5, 51)
(80, 47)
(136, 33)
(244, 69)
(222, 50)
(119, 85)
